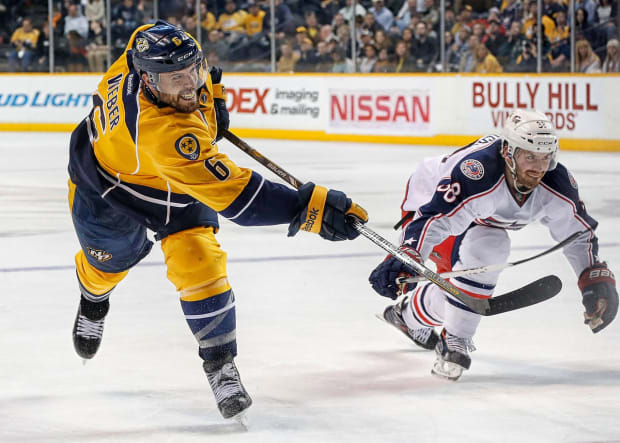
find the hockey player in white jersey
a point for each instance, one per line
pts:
(462, 205)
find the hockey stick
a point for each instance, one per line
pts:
(496, 267)
(546, 286)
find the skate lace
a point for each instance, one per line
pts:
(421, 334)
(225, 382)
(459, 344)
(89, 328)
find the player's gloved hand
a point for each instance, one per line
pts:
(327, 213)
(383, 278)
(600, 297)
(219, 102)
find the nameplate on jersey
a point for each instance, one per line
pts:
(188, 147)
(472, 169)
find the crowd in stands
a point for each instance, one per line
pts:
(484, 36)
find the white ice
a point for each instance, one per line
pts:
(318, 364)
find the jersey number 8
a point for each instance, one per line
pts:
(451, 191)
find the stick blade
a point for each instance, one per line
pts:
(538, 291)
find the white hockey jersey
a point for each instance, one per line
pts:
(451, 192)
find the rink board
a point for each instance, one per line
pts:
(386, 108)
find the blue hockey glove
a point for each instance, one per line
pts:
(327, 213)
(219, 104)
(383, 278)
(600, 297)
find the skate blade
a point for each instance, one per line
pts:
(242, 419)
(447, 371)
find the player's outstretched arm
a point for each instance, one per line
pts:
(600, 297)
(327, 213)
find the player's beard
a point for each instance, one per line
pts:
(527, 182)
(186, 106)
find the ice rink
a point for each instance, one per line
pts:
(319, 366)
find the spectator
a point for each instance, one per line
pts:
(463, 19)
(126, 17)
(383, 15)
(207, 18)
(300, 36)
(288, 58)
(510, 12)
(612, 60)
(589, 6)
(478, 30)
(460, 38)
(307, 57)
(493, 38)
(325, 33)
(408, 38)
(452, 52)
(479, 7)
(217, 45)
(76, 32)
(583, 28)
(551, 7)
(367, 62)
(383, 63)
(526, 60)
(43, 50)
(559, 55)
(285, 22)
(529, 25)
(425, 48)
(370, 23)
(254, 19)
(383, 42)
(231, 22)
(403, 18)
(324, 57)
(430, 15)
(347, 11)
(94, 10)
(586, 60)
(312, 26)
(486, 63)
(562, 29)
(338, 21)
(341, 63)
(468, 58)
(23, 45)
(513, 45)
(606, 11)
(96, 48)
(403, 61)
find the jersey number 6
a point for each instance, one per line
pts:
(451, 191)
(217, 168)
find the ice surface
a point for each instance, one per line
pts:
(318, 364)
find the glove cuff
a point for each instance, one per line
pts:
(219, 91)
(597, 273)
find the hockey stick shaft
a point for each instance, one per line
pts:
(480, 306)
(499, 266)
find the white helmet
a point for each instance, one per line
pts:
(532, 131)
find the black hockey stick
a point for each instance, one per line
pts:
(545, 286)
(499, 266)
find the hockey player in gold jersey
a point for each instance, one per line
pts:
(146, 158)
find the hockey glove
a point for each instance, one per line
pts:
(383, 278)
(326, 213)
(219, 102)
(600, 297)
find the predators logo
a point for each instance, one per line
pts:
(188, 147)
(177, 41)
(142, 44)
(99, 254)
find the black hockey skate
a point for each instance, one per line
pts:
(426, 338)
(452, 356)
(88, 327)
(231, 397)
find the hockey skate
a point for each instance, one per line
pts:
(452, 356)
(231, 397)
(88, 327)
(426, 338)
